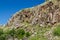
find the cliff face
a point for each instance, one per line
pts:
(47, 13)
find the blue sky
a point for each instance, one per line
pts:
(9, 7)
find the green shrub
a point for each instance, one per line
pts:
(2, 35)
(20, 33)
(27, 34)
(14, 33)
(1, 32)
(56, 31)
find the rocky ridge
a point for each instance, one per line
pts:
(49, 12)
(35, 18)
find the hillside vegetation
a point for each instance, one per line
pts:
(41, 22)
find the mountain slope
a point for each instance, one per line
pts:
(37, 20)
(49, 12)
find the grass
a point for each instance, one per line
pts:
(56, 31)
(40, 32)
(37, 37)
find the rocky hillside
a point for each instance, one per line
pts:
(35, 18)
(46, 13)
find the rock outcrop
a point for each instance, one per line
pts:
(47, 13)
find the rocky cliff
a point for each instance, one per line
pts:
(46, 13)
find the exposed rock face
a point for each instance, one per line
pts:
(47, 13)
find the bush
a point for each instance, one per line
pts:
(11, 32)
(1, 32)
(14, 33)
(27, 34)
(56, 31)
(20, 33)
(2, 35)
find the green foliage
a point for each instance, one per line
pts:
(12, 32)
(2, 35)
(20, 33)
(27, 34)
(56, 31)
(1, 32)
(37, 37)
